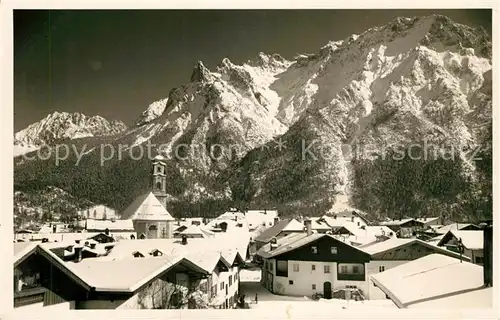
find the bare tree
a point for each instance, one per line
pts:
(162, 294)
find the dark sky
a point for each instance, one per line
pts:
(114, 63)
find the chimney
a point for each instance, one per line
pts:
(77, 241)
(488, 255)
(78, 254)
(265, 211)
(184, 239)
(276, 220)
(54, 229)
(106, 232)
(274, 243)
(334, 216)
(92, 246)
(308, 224)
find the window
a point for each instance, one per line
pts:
(479, 260)
(313, 267)
(222, 286)
(282, 268)
(295, 267)
(290, 281)
(153, 228)
(314, 250)
(314, 287)
(333, 250)
(381, 269)
(271, 266)
(327, 269)
(230, 280)
(351, 271)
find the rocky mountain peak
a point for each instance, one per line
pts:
(64, 125)
(200, 73)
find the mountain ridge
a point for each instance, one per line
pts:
(412, 80)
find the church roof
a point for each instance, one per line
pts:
(147, 207)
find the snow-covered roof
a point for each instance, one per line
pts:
(471, 239)
(22, 250)
(436, 280)
(427, 220)
(282, 225)
(452, 226)
(292, 242)
(294, 225)
(319, 225)
(197, 230)
(111, 225)
(205, 252)
(298, 242)
(395, 243)
(147, 207)
(397, 222)
(337, 222)
(256, 218)
(123, 275)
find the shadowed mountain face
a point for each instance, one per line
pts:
(397, 118)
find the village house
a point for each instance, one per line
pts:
(221, 257)
(404, 228)
(429, 221)
(391, 253)
(309, 263)
(339, 219)
(436, 281)
(358, 236)
(281, 228)
(161, 273)
(469, 241)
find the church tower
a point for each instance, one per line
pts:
(159, 179)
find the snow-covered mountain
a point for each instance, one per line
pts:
(414, 80)
(60, 126)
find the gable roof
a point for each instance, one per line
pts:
(427, 220)
(22, 250)
(295, 241)
(396, 243)
(147, 207)
(282, 225)
(455, 226)
(434, 279)
(398, 222)
(194, 229)
(117, 275)
(471, 239)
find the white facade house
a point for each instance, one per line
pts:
(305, 264)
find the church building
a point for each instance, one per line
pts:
(148, 212)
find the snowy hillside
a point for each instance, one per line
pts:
(411, 81)
(63, 125)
